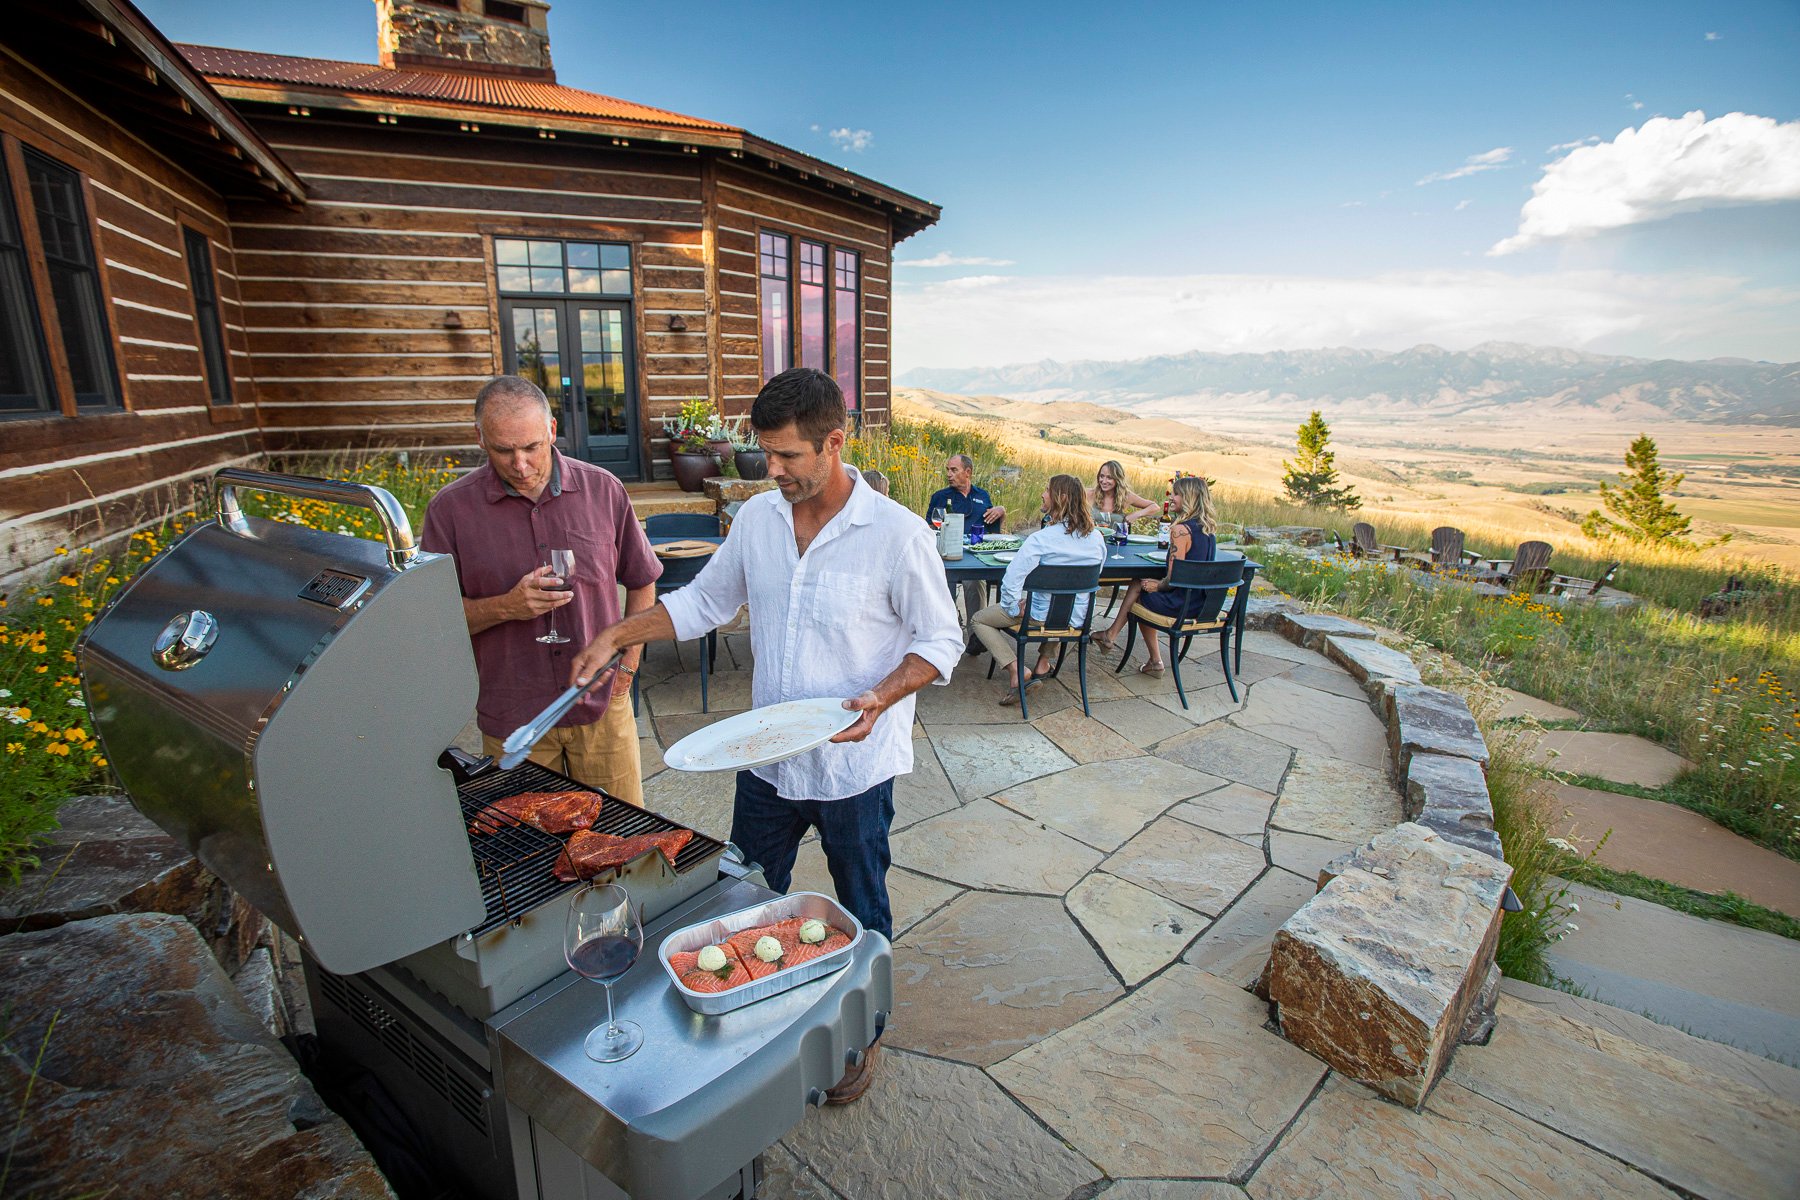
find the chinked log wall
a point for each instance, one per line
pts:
(348, 297)
(66, 479)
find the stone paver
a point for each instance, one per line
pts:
(1668, 842)
(925, 792)
(671, 729)
(990, 975)
(1700, 1131)
(1173, 1189)
(1203, 704)
(972, 699)
(1194, 867)
(982, 761)
(1302, 853)
(1139, 721)
(1139, 932)
(931, 1130)
(1515, 705)
(1236, 946)
(1331, 798)
(1349, 1142)
(986, 845)
(1084, 739)
(1334, 726)
(1326, 678)
(1311, 629)
(1233, 810)
(1273, 645)
(1105, 804)
(700, 800)
(1619, 757)
(726, 691)
(1370, 661)
(1195, 1085)
(1239, 755)
(650, 758)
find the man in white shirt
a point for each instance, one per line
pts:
(847, 599)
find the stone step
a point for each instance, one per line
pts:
(653, 499)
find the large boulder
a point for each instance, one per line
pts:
(1375, 666)
(1377, 974)
(154, 1080)
(1450, 795)
(1428, 720)
(1311, 629)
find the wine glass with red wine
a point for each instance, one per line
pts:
(603, 939)
(562, 565)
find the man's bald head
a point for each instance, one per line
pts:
(510, 394)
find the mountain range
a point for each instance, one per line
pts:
(1492, 380)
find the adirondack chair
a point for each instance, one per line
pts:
(1363, 544)
(1447, 553)
(1572, 585)
(1527, 570)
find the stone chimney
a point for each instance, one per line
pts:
(500, 37)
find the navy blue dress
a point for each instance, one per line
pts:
(1202, 547)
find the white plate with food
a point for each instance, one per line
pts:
(1004, 556)
(761, 736)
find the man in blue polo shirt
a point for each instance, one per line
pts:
(962, 496)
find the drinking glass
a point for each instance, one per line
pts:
(977, 529)
(937, 518)
(562, 565)
(602, 940)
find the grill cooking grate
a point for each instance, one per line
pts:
(515, 862)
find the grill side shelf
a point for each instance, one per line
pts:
(515, 862)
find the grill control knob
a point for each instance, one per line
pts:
(185, 640)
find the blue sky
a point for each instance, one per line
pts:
(1134, 179)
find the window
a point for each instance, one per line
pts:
(776, 304)
(74, 282)
(500, 10)
(812, 305)
(846, 272)
(24, 383)
(206, 315)
(562, 268)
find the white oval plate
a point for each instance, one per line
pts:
(761, 736)
(1156, 555)
(1140, 539)
(1004, 556)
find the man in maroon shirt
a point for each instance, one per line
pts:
(500, 522)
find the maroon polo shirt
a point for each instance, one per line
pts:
(496, 536)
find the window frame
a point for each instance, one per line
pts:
(41, 376)
(219, 389)
(795, 238)
(103, 336)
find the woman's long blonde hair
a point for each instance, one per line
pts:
(1068, 506)
(1194, 499)
(1121, 489)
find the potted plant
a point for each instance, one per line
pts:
(689, 454)
(747, 455)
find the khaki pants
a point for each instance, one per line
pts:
(994, 626)
(603, 754)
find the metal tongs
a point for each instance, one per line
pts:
(519, 742)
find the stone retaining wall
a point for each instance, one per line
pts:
(1391, 963)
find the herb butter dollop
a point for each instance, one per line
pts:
(812, 932)
(711, 958)
(768, 949)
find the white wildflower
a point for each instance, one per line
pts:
(77, 702)
(1574, 907)
(5, 693)
(1574, 928)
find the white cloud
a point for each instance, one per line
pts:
(1354, 204)
(854, 140)
(944, 258)
(1562, 146)
(1462, 204)
(1633, 101)
(1714, 37)
(1487, 160)
(1667, 166)
(992, 320)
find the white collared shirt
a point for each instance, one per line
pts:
(834, 622)
(1052, 545)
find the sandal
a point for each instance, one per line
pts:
(1010, 700)
(1105, 643)
(1150, 668)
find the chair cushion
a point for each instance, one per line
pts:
(1151, 617)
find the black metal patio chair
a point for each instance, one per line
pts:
(678, 573)
(1208, 591)
(1064, 586)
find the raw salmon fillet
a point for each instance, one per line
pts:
(795, 951)
(588, 853)
(687, 969)
(552, 812)
(744, 943)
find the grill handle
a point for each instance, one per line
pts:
(396, 526)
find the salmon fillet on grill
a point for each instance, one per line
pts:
(552, 812)
(589, 853)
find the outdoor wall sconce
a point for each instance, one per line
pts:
(677, 324)
(453, 320)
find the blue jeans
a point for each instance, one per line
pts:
(853, 832)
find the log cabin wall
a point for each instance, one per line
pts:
(749, 202)
(350, 297)
(72, 475)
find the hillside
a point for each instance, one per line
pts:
(1494, 379)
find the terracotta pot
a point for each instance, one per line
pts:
(752, 464)
(719, 448)
(693, 470)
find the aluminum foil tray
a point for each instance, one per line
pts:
(711, 933)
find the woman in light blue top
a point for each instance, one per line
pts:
(1068, 538)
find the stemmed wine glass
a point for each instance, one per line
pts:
(603, 938)
(937, 518)
(562, 565)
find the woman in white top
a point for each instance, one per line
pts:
(1068, 538)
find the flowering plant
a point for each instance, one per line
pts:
(696, 424)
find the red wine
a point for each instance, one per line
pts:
(564, 586)
(604, 958)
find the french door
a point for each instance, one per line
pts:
(577, 351)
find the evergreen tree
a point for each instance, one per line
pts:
(1639, 510)
(1311, 479)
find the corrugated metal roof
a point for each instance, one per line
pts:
(471, 90)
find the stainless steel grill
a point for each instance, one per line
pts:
(278, 698)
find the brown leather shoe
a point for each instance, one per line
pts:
(856, 1080)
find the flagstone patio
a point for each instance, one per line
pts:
(1079, 903)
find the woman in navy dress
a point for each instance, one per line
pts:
(1191, 537)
